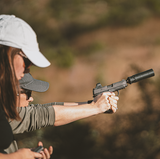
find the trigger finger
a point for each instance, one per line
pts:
(114, 98)
(107, 93)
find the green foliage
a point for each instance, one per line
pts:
(62, 20)
(58, 20)
(127, 13)
(91, 49)
(63, 57)
(65, 10)
(154, 6)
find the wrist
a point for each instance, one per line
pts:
(95, 108)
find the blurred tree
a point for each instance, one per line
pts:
(154, 6)
(126, 12)
(73, 141)
(57, 23)
(133, 135)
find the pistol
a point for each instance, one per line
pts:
(38, 149)
(122, 84)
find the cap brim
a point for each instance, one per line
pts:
(37, 86)
(37, 58)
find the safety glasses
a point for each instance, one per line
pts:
(27, 62)
(27, 92)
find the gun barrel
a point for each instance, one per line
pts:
(139, 76)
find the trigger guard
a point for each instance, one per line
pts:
(117, 94)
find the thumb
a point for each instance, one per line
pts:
(40, 143)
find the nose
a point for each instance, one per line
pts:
(22, 75)
(30, 99)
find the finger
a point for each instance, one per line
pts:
(109, 106)
(40, 143)
(46, 152)
(114, 109)
(113, 104)
(50, 150)
(113, 94)
(107, 93)
(104, 95)
(112, 101)
(108, 102)
(114, 97)
(37, 155)
(43, 155)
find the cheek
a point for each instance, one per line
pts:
(23, 101)
(19, 66)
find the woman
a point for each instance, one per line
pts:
(18, 45)
(15, 36)
(11, 71)
(6, 137)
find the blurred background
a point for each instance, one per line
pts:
(91, 41)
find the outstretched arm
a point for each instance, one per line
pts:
(72, 112)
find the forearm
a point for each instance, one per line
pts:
(70, 103)
(77, 103)
(69, 113)
(14, 155)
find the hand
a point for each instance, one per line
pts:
(26, 153)
(113, 102)
(106, 101)
(46, 153)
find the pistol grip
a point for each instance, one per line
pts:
(109, 111)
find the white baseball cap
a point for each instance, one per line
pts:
(15, 32)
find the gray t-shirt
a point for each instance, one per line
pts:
(33, 117)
